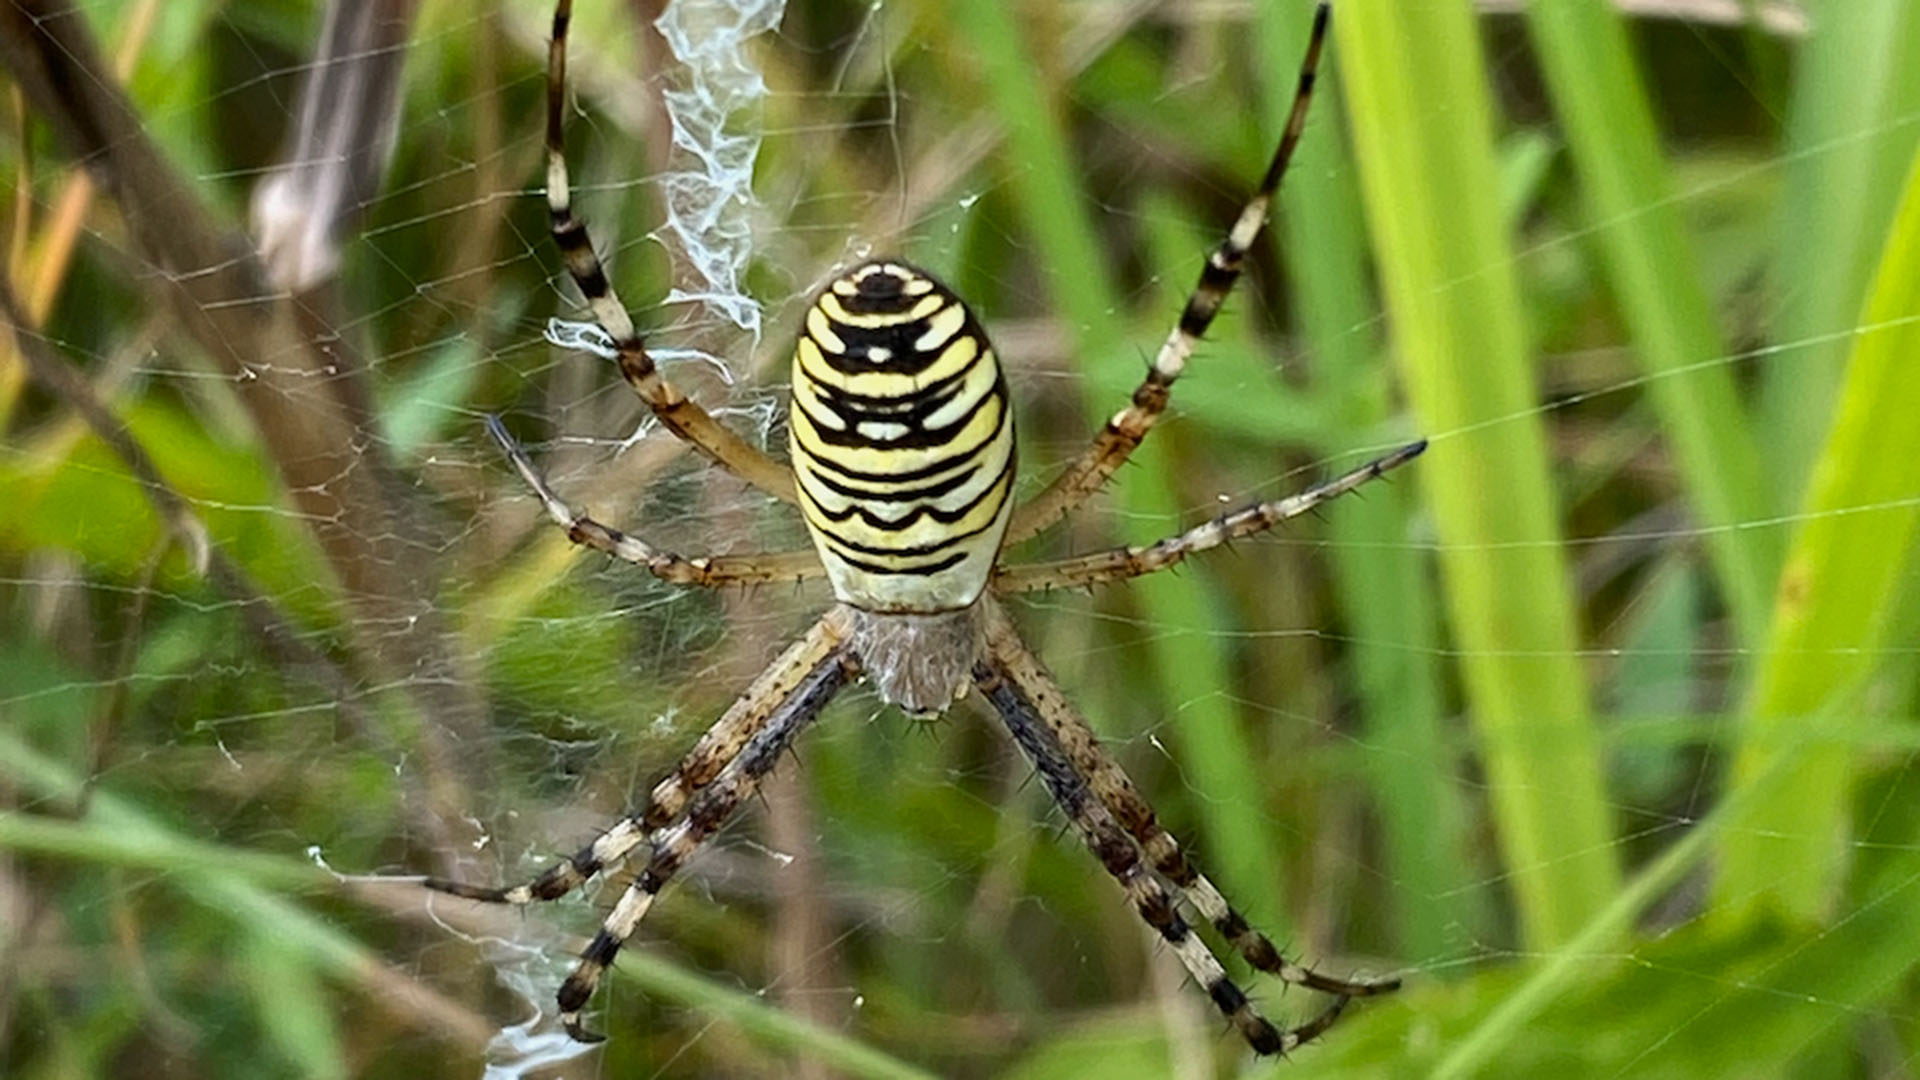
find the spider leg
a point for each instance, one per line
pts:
(707, 571)
(745, 720)
(1130, 425)
(681, 415)
(1131, 562)
(1116, 791)
(1150, 895)
(706, 812)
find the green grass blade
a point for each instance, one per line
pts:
(1759, 998)
(1844, 573)
(1651, 264)
(292, 1006)
(1757, 1020)
(1046, 188)
(752, 1014)
(1850, 133)
(1572, 961)
(107, 844)
(1384, 581)
(1431, 192)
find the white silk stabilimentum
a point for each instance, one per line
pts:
(710, 205)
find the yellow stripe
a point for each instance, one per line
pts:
(924, 533)
(831, 307)
(881, 460)
(978, 383)
(941, 328)
(804, 395)
(821, 330)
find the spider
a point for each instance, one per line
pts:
(901, 440)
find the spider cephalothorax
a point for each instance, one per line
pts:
(902, 465)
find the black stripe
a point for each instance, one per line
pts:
(601, 949)
(853, 359)
(923, 570)
(883, 292)
(912, 408)
(569, 233)
(1199, 313)
(891, 492)
(913, 411)
(1227, 996)
(1158, 910)
(916, 438)
(911, 517)
(899, 339)
(946, 387)
(1217, 278)
(592, 280)
(944, 517)
(1232, 924)
(904, 359)
(951, 461)
(897, 302)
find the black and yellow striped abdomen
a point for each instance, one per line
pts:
(902, 441)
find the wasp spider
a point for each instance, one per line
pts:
(902, 465)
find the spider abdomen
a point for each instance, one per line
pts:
(902, 441)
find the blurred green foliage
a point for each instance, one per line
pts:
(1596, 724)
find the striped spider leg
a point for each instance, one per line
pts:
(693, 802)
(1033, 690)
(1129, 426)
(1119, 564)
(679, 413)
(1120, 854)
(703, 571)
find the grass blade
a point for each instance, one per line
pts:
(1384, 582)
(1853, 125)
(1430, 188)
(1837, 598)
(1609, 125)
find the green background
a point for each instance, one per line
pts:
(1595, 724)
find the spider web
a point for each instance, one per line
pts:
(903, 887)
